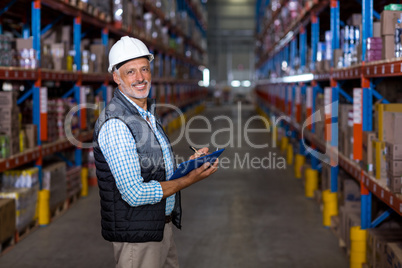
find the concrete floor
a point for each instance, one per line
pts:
(243, 216)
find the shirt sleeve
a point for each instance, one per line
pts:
(119, 149)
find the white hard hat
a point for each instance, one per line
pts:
(125, 49)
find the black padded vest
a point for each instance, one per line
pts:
(121, 222)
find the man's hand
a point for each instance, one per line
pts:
(203, 172)
(173, 186)
(201, 152)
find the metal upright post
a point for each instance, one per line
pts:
(38, 119)
(303, 48)
(366, 109)
(105, 42)
(315, 38)
(293, 52)
(79, 95)
(335, 26)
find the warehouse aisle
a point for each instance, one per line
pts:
(243, 216)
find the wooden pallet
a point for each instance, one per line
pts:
(6, 245)
(26, 231)
(73, 198)
(59, 210)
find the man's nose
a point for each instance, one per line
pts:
(139, 76)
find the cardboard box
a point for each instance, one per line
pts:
(395, 184)
(7, 219)
(388, 21)
(8, 99)
(354, 19)
(8, 114)
(393, 151)
(394, 167)
(388, 47)
(392, 127)
(377, 29)
(368, 152)
(31, 136)
(377, 240)
(351, 191)
(22, 43)
(393, 255)
(379, 159)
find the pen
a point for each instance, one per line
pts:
(195, 150)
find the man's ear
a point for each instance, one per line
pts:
(116, 78)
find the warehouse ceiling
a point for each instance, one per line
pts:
(231, 28)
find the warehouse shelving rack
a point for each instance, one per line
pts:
(293, 88)
(82, 17)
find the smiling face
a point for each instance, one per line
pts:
(134, 78)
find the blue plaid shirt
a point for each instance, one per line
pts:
(119, 149)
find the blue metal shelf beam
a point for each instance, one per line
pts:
(7, 7)
(50, 25)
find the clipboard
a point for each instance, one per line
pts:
(186, 167)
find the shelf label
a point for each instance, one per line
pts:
(43, 100)
(392, 68)
(327, 100)
(357, 123)
(374, 188)
(382, 193)
(391, 200)
(368, 71)
(383, 69)
(357, 105)
(43, 113)
(375, 69)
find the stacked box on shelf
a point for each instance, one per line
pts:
(52, 126)
(73, 181)
(6, 51)
(377, 242)
(368, 152)
(98, 54)
(345, 129)
(393, 252)
(393, 156)
(9, 121)
(7, 219)
(54, 180)
(26, 56)
(391, 41)
(388, 128)
(320, 125)
(374, 49)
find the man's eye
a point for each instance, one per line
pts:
(145, 69)
(130, 72)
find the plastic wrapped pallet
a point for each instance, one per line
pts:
(73, 181)
(24, 178)
(54, 180)
(25, 201)
(7, 219)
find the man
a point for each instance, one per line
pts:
(133, 160)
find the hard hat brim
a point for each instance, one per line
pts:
(118, 65)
